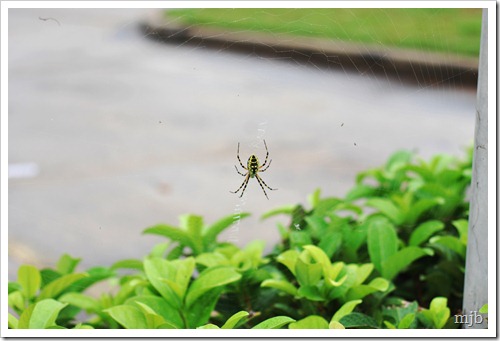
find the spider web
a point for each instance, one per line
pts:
(128, 130)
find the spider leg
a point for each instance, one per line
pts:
(245, 182)
(238, 155)
(238, 171)
(267, 154)
(263, 170)
(260, 179)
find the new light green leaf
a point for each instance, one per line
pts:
(274, 322)
(308, 273)
(81, 301)
(44, 314)
(310, 322)
(319, 256)
(280, 284)
(13, 322)
(30, 279)
(289, 259)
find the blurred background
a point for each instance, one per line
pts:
(120, 119)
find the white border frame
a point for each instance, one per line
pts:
(492, 275)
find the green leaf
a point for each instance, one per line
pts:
(424, 231)
(276, 322)
(193, 224)
(128, 316)
(311, 292)
(208, 326)
(318, 255)
(159, 250)
(161, 307)
(198, 313)
(211, 259)
(360, 291)
(299, 238)
(134, 264)
(360, 191)
(406, 321)
(398, 160)
(450, 242)
(209, 279)
(362, 273)
(216, 228)
(335, 325)
(172, 233)
(330, 243)
(314, 198)
(387, 208)
(153, 320)
(234, 320)
(310, 322)
(382, 241)
(440, 311)
(346, 309)
(462, 227)
(358, 320)
(80, 300)
(307, 272)
(400, 260)
(280, 284)
(170, 278)
(58, 286)
(484, 309)
(16, 301)
(67, 264)
(30, 279)
(40, 315)
(326, 205)
(83, 326)
(287, 209)
(419, 207)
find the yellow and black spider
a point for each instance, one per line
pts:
(253, 167)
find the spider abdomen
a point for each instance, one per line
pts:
(253, 165)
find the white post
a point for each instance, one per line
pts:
(476, 265)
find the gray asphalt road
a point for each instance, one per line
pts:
(111, 132)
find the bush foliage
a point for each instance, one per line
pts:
(391, 254)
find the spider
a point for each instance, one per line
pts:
(253, 167)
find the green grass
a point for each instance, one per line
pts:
(451, 30)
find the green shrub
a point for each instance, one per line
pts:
(391, 254)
